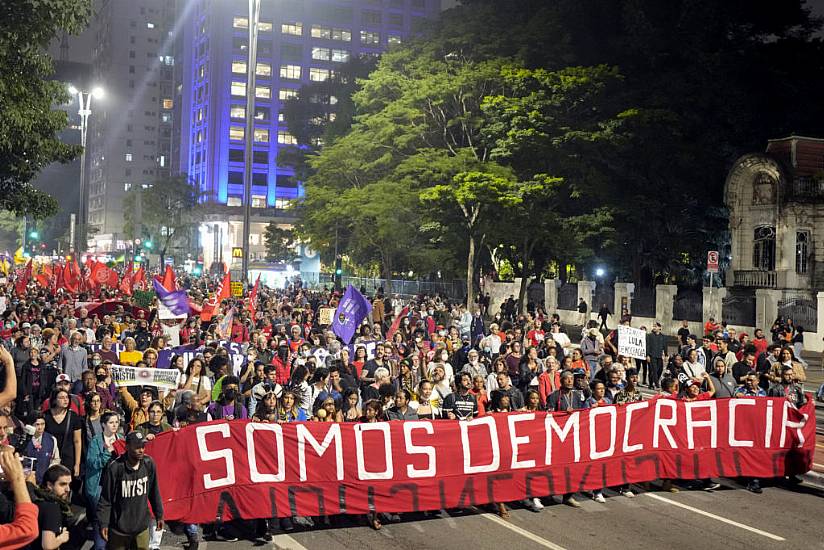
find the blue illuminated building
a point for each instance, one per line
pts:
(299, 41)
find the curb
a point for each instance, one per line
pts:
(814, 478)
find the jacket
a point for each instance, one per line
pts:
(97, 457)
(126, 494)
(656, 345)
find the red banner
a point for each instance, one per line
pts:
(256, 470)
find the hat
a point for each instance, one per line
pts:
(135, 439)
(631, 372)
(62, 378)
(26, 325)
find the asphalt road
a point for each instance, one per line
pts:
(728, 518)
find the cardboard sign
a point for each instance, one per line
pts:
(632, 342)
(326, 315)
(237, 289)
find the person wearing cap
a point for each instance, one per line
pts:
(129, 485)
(62, 382)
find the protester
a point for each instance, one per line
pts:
(25, 526)
(101, 451)
(54, 512)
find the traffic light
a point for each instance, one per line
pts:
(33, 234)
(338, 271)
(148, 244)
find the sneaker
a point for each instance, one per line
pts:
(754, 487)
(537, 505)
(599, 497)
(712, 486)
(669, 487)
(570, 501)
(627, 493)
(228, 537)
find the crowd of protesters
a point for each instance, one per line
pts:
(424, 358)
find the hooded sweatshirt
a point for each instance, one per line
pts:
(126, 494)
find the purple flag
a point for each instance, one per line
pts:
(352, 310)
(177, 301)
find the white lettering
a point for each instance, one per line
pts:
(210, 482)
(517, 441)
(769, 425)
(254, 472)
(631, 408)
(413, 449)
(733, 404)
(593, 443)
(663, 424)
(489, 422)
(304, 436)
(786, 423)
(572, 425)
(387, 447)
(692, 424)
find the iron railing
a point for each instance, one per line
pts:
(755, 279)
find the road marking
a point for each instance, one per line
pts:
(523, 532)
(285, 542)
(719, 518)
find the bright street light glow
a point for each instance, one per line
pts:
(599, 272)
(72, 90)
(98, 92)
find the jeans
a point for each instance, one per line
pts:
(656, 369)
(91, 514)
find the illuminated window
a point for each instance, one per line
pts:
(239, 88)
(150, 25)
(287, 93)
(201, 72)
(262, 113)
(281, 118)
(168, 104)
(321, 54)
(319, 31)
(264, 26)
(200, 115)
(393, 39)
(237, 111)
(234, 201)
(286, 138)
(236, 133)
(262, 135)
(340, 56)
(258, 201)
(281, 203)
(263, 69)
(333, 100)
(370, 38)
(292, 28)
(240, 23)
(239, 67)
(263, 92)
(291, 72)
(128, 157)
(344, 35)
(199, 138)
(318, 75)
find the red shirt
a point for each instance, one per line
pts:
(282, 370)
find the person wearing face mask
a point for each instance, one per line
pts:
(474, 367)
(229, 404)
(282, 363)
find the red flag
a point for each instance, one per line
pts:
(169, 281)
(112, 281)
(397, 323)
(253, 298)
(223, 292)
(127, 281)
(139, 279)
(23, 280)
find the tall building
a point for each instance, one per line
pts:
(130, 139)
(300, 41)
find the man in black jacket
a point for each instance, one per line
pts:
(129, 485)
(461, 405)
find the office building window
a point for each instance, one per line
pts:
(291, 52)
(240, 23)
(165, 117)
(128, 157)
(239, 67)
(393, 39)
(344, 35)
(262, 113)
(234, 201)
(281, 203)
(286, 138)
(291, 72)
(168, 104)
(262, 135)
(263, 69)
(369, 17)
(287, 93)
(265, 26)
(292, 28)
(263, 92)
(318, 75)
(239, 88)
(260, 157)
(319, 31)
(281, 118)
(199, 138)
(150, 25)
(236, 133)
(369, 38)
(235, 155)
(237, 111)
(239, 44)
(258, 201)
(235, 178)
(340, 56)
(321, 54)
(127, 186)
(395, 20)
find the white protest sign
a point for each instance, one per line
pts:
(165, 313)
(134, 376)
(632, 342)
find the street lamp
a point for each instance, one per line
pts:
(251, 69)
(85, 102)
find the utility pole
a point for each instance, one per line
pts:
(251, 67)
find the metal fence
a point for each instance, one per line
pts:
(643, 302)
(454, 289)
(568, 297)
(802, 309)
(738, 308)
(688, 305)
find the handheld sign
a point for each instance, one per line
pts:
(326, 315)
(632, 342)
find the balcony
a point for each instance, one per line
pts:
(755, 279)
(807, 188)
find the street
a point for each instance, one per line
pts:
(730, 517)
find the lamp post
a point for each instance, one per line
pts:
(85, 101)
(251, 67)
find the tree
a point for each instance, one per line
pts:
(164, 213)
(280, 243)
(29, 125)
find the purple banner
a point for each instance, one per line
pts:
(352, 310)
